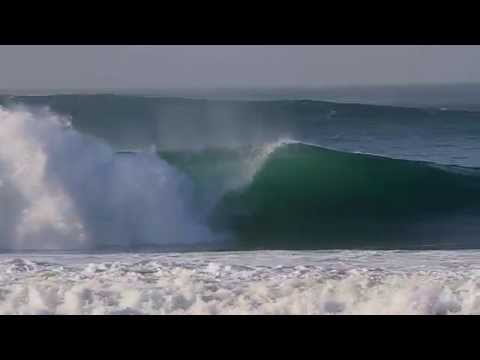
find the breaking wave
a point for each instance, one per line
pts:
(220, 181)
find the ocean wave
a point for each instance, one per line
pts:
(236, 173)
(291, 194)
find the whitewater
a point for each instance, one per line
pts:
(262, 282)
(60, 189)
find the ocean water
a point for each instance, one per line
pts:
(340, 201)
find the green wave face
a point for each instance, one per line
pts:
(307, 196)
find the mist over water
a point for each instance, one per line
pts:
(424, 133)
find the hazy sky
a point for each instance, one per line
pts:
(161, 67)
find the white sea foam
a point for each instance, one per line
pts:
(322, 282)
(64, 190)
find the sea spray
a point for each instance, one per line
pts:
(65, 190)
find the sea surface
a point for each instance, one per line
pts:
(254, 201)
